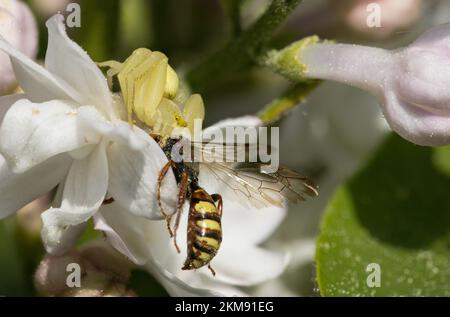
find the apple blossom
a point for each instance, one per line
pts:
(67, 130)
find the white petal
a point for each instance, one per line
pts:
(124, 231)
(262, 222)
(70, 62)
(245, 121)
(128, 234)
(116, 130)
(134, 177)
(68, 236)
(178, 287)
(37, 82)
(218, 288)
(32, 133)
(254, 264)
(84, 193)
(7, 101)
(17, 190)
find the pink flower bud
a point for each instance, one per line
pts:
(50, 7)
(18, 26)
(51, 275)
(412, 83)
(102, 272)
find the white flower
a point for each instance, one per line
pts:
(410, 83)
(67, 129)
(18, 26)
(240, 260)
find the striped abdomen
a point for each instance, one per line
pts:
(204, 233)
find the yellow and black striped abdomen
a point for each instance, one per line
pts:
(204, 230)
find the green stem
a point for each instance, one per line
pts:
(287, 62)
(242, 51)
(295, 96)
(233, 9)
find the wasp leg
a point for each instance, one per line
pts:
(218, 199)
(181, 199)
(108, 201)
(163, 174)
(212, 270)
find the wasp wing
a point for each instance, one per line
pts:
(251, 187)
(209, 152)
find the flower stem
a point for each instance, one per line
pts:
(288, 101)
(242, 51)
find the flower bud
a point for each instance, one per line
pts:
(50, 277)
(17, 26)
(50, 7)
(102, 272)
(410, 83)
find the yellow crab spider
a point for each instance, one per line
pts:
(144, 78)
(149, 86)
(170, 116)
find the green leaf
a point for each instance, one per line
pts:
(12, 271)
(396, 213)
(145, 285)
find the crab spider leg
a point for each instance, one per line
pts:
(115, 67)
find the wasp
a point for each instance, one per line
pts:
(204, 232)
(150, 90)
